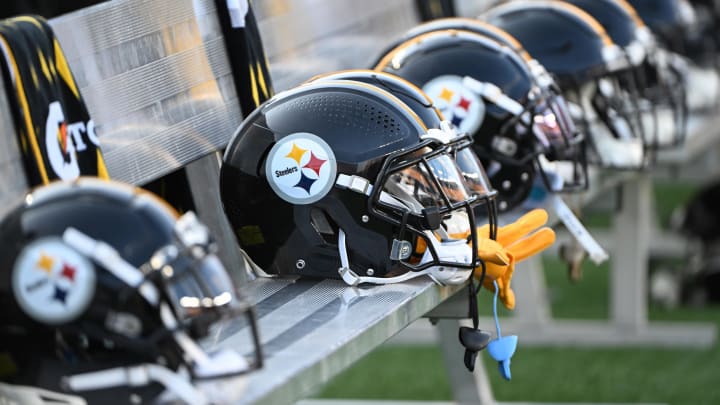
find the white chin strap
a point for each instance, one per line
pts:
(556, 172)
(137, 376)
(24, 395)
(452, 251)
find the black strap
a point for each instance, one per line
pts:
(245, 50)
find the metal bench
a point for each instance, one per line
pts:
(158, 83)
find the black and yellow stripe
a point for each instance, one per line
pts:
(36, 75)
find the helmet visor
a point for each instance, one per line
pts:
(435, 182)
(473, 172)
(198, 285)
(553, 125)
(194, 278)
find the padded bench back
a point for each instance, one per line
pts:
(156, 80)
(305, 37)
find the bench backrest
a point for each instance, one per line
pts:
(156, 79)
(305, 37)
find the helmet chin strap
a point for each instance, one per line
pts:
(20, 394)
(457, 250)
(136, 376)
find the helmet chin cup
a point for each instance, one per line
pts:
(448, 275)
(21, 394)
(452, 251)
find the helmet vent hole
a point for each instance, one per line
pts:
(336, 112)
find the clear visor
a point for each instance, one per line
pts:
(194, 278)
(473, 172)
(436, 182)
(199, 285)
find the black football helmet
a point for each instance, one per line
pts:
(663, 101)
(489, 91)
(341, 179)
(106, 293)
(588, 66)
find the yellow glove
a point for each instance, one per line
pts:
(514, 243)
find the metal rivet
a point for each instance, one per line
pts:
(300, 264)
(524, 176)
(370, 272)
(502, 205)
(135, 399)
(365, 218)
(506, 184)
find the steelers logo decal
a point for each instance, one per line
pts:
(51, 282)
(301, 168)
(458, 104)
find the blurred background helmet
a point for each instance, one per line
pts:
(589, 69)
(107, 292)
(541, 76)
(663, 102)
(341, 179)
(489, 91)
(674, 22)
(690, 32)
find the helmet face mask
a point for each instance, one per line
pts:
(153, 288)
(421, 190)
(660, 96)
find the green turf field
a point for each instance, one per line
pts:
(674, 376)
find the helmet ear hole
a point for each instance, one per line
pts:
(324, 225)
